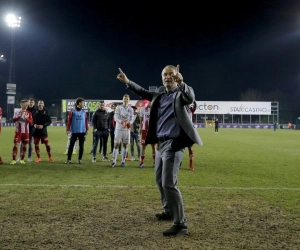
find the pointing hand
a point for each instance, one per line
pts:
(122, 77)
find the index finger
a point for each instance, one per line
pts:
(121, 71)
(177, 68)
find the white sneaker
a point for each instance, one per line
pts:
(132, 159)
(94, 159)
(29, 159)
(105, 158)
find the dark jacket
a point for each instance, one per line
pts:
(100, 120)
(135, 127)
(32, 110)
(111, 120)
(183, 97)
(41, 117)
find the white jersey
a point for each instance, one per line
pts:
(145, 116)
(123, 114)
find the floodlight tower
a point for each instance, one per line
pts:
(13, 22)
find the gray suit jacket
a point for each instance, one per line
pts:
(182, 98)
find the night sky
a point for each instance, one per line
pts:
(70, 48)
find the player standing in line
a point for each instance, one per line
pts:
(112, 125)
(78, 125)
(135, 134)
(22, 119)
(145, 116)
(41, 120)
(101, 130)
(192, 109)
(68, 143)
(1, 161)
(31, 107)
(124, 118)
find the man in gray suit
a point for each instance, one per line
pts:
(171, 128)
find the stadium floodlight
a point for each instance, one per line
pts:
(2, 59)
(13, 21)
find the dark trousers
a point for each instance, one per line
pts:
(100, 144)
(167, 163)
(81, 139)
(112, 139)
(30, 145)
(103, 136)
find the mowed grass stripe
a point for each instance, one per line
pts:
(154, 187)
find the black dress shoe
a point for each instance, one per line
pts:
(163, 216)
(176, 231)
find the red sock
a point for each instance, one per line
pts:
(142, 159)
(15, 152)
(191, 156)
(24, 148)
(37, 151)
(48, 150)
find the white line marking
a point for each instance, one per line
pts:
(128, 186)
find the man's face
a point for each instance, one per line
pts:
(81, 104)
(40, 105)
(102, 105)
(126, 100)
(168, 74)
(24, 105)
(31, 104)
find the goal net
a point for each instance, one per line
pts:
(209, 123)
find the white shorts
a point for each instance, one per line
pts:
(122, 136)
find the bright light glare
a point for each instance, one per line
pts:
(13, 21)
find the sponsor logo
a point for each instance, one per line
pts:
(244, 109)
(208, 107)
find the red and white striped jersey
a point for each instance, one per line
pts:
(0, 118)
(145, 116)
(22, 121)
